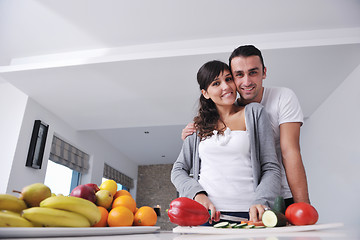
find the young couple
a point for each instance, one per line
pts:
(245, 152)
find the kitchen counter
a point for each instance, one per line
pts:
(332, 234)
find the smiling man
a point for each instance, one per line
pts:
(248, 69)
(286, 117)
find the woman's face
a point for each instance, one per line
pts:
(222, 90)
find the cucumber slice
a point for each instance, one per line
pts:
(221, 225)
(241, 225)
(259, 227)
(232, 225)
(249, 226)
(273, 219)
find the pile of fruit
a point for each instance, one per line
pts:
(87, 206)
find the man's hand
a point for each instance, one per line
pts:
(205, 201)
(188, 130)
(256, 212)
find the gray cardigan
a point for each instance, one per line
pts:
(266, 168)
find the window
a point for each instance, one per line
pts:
(65, 165)
(120, 187)
(61, 179)
(111, 173)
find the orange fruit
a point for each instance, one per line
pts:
(145, 216)
(121, 193)
(120, 217)
(125, 201)
(109, 185)
(104, 216)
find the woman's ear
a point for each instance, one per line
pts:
(205, 94)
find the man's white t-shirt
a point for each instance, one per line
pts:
(282, 106)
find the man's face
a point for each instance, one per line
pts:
(248, 75)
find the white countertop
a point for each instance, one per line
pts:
(162, 235)
(325, 234)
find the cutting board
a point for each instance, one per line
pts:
(256, 231)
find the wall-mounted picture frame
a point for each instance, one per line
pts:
(37, 145)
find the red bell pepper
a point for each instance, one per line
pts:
(187, 212)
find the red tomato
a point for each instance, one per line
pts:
(301, 214)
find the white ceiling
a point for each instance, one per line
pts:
(121, 68)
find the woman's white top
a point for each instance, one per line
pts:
(226, 171)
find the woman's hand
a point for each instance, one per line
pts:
(256, 212)
(205, 201)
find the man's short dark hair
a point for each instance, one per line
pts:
(246, 51)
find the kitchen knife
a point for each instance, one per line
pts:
(232, 218)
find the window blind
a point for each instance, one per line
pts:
(65, 154)
(112, 173)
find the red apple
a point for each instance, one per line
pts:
(93, 186)
(83, 191)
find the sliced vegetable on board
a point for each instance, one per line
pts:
(241, 225)
(187, 212)
(256, 224)
(222, 225)
(272, 218)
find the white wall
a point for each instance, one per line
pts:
(12, 107)
(331, 153)
(20, 176)
(104, 152)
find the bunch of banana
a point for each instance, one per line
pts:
(11, 207)
(50, 217)
(55, 211)
(11, 203)
(12, 219)
(75, 205)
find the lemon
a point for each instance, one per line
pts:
(109, 185)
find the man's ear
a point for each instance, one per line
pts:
(264, 72)
(205, 94)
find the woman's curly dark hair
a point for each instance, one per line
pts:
(207, 119)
